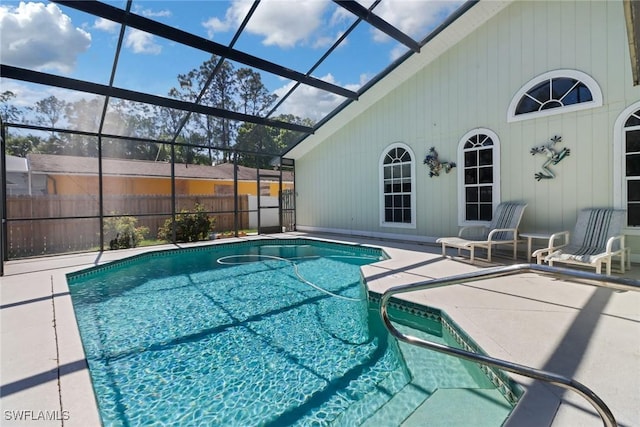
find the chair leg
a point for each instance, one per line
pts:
(489, 253)
(471, 253)
(608, 261)
(444, 250)
(515, 249)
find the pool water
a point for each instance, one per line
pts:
(242, 335)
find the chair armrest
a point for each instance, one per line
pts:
(612, 240)
(540, 253)
(554, 236)
(470, 227)
(500, 230)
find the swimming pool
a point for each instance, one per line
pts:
(269, 332)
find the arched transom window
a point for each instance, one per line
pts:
(554, 93)
(397, 185)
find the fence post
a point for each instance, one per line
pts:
(3, 199)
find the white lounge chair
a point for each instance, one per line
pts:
(596, 239)
(503, 230)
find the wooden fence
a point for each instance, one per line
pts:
(50, 224)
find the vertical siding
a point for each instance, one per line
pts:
(470, 86)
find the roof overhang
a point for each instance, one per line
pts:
(632, 19)
(455, 31)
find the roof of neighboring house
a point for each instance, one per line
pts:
(74, 165)
(16, 164)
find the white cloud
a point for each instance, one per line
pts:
(214, 25)
(151, 13)
(141, 42)
(106, 25)
(136, 40)
(397, 51)
(413, 17)
(40, 37)
(286, 24)
(307, 101)
(281, 23)
(233, 17)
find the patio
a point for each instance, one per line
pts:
(574, 329)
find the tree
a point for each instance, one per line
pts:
(286, 138)
(85, 115)
(48, 112)
(218, 90)
(16, 145)
(254, 96)
(267, 140)
(130, 119)
(168, 120)
(8, 111)
(20, 146)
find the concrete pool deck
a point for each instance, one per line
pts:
(588, 333)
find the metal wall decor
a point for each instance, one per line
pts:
(553, 157)
(435, 165)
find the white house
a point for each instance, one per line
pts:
(502, 79)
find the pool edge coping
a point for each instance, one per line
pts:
(503, 383)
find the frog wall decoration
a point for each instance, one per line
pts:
(553, 157)
(435, 165)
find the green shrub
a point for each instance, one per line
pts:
(190, 226)
(123, 233)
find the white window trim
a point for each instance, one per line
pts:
(593, 86)
(496, 174)
(619, 164)
(383, 223)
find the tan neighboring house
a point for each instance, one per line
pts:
(71, 175)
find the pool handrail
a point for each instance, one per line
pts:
(613, 282)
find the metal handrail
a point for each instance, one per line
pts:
(567, 383)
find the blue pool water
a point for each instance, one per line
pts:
(265, 333)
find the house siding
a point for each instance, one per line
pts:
(83, 184)
(471, 85)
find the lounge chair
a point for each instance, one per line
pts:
(596, 239)
(503, 230)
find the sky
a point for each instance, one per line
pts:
(294, 33)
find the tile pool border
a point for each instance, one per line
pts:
(365, 249)
(507, 387)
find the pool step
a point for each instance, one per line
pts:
(399, 407)
(377, 397)
(473, 407)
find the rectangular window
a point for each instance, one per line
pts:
(479, 170)
(397, 186)
(633, 203)
(632, 173)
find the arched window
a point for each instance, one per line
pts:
(627, 164)
(397, 176)
(555, 92)
(478, 176)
